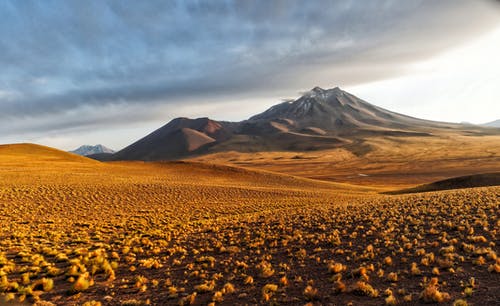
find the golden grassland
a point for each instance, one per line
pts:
(79, 232)
(389, 161)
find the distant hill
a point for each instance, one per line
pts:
(469, 181)
(320, 119)
(33, 153)
(179, 137)
(495, 123)
(86, 150)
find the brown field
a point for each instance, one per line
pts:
(381, 161)
(79, 232)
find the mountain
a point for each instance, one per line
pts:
(334, 111)
(179, 137)
(320, 119)
(86, 150)
(495, 123)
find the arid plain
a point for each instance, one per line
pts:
(387, 163)
(310, 228)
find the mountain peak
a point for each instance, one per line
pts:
(321, 91)
(322, 95)
(317, 89)
(316, 102)
(90, 150)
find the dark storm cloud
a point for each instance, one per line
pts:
(62, 56)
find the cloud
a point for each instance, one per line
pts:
(458, 85)
(69, 62)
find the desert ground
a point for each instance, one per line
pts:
(272, 228)
(385, 162)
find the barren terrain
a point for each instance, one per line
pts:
(80, 232)
(380, 161)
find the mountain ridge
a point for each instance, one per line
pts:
(495, 123)
(319, 119)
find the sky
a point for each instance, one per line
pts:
(87, 72)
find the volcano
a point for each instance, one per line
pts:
(319, 119)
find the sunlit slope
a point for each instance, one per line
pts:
(53, 164)
(222, 175)
(34, 164)
(27, 154)
(46, 183)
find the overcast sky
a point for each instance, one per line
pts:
(87, 72)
